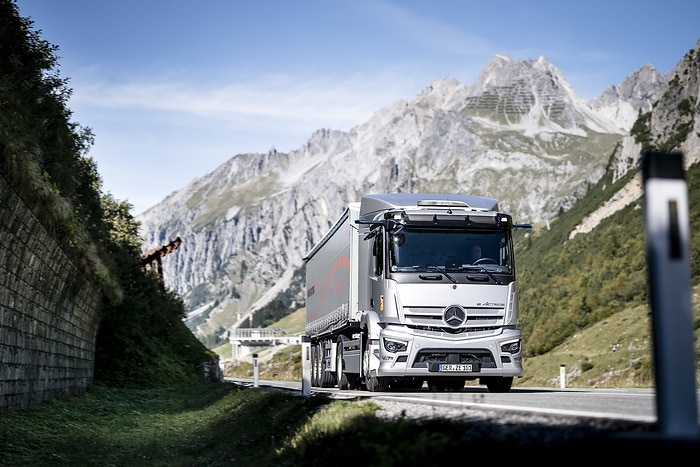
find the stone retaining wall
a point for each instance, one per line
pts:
(49, 313)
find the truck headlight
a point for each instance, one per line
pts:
(394, 346)
(511, 347)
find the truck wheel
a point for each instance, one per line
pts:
(372, 383)
(498, 383)
(327, 377)
(354, 381)
(314, 368)
(317, 366)
(377, 384)
(340, 376)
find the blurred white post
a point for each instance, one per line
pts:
(562, 376)
(255, 370)
(668, 264)
(305, 365)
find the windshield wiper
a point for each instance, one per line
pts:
(435, 268)
(483, 270)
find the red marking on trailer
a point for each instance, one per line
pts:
(344, 262)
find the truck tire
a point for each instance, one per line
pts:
(327, 378)
(318, 373)
(377, 384)
(372, 382)
(354, 381)
(315, 379)
(498, 383)
(343, 382)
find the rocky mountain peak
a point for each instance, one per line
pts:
(519, 134)
(446, 93)
(502, 71)
(624, 102)
(534, 96)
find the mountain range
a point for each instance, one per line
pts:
(519, 133)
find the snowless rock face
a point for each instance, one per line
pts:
(519, 134)
(636, 93)
(673, 117)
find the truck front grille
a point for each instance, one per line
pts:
(433, 316)
(471, 332)
(481, 356)
(478, 319)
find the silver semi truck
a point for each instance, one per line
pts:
(407, 289)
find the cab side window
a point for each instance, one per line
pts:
(378, 255)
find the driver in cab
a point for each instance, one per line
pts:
(476, 253)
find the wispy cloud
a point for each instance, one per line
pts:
(440, 36)
(297, 100)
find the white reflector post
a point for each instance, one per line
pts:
(562, 376)
(666, 225)
(305, 365)
(255, 370)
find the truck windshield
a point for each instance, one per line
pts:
(423, 250)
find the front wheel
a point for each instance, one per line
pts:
(377, 383)
(372, 383)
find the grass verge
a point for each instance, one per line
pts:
(211, 424)
(218, 424)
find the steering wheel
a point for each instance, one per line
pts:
(485, 261)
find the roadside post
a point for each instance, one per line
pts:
(255, 370)
(562, 376)
(666, 223)
(305, 365)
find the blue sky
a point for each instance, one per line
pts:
(173, 89)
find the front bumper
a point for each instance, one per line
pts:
(439, 354)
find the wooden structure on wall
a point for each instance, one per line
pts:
(153, 258)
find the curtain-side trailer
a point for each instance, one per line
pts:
(407, 289)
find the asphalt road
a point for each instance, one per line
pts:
(637, 405)
(584, 425)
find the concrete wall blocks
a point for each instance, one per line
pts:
(49, 315)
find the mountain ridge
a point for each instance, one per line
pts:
(519, 133)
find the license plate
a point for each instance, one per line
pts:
(458, 367)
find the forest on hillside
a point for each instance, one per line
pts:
(567, 285)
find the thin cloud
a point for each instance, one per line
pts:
(325, 102)
(444, 38)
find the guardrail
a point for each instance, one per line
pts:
(245, 340)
